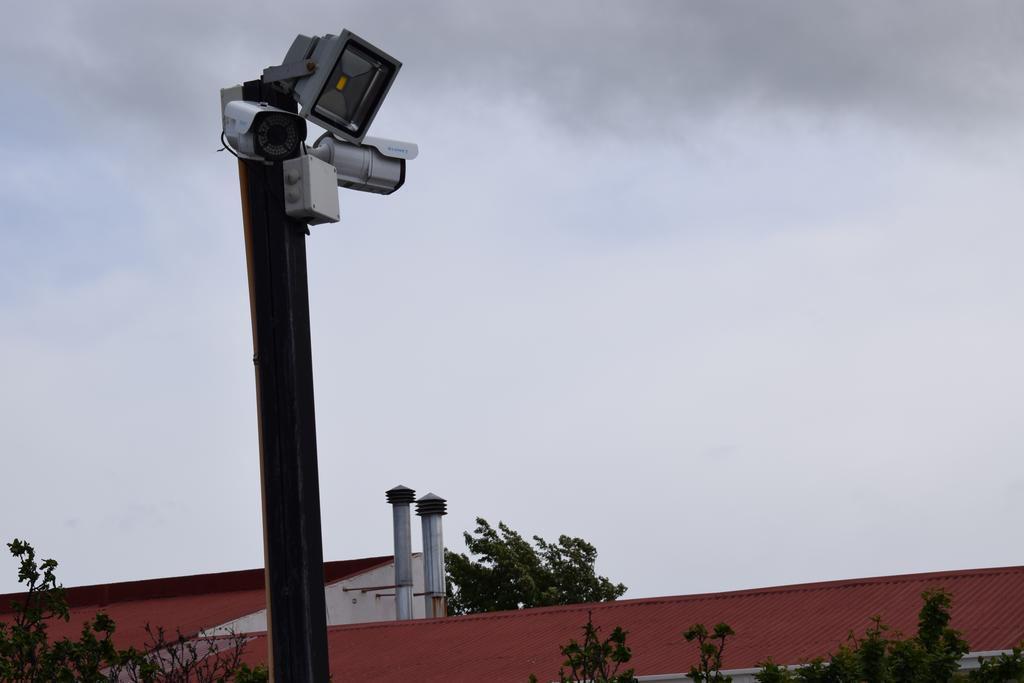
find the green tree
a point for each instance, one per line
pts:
(27, 654)
(1005, 667)
(508, 572)
(595, 660)
(710, 647)
(931, 656)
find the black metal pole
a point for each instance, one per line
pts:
(279, 303)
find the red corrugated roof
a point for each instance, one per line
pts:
(789, 623)
(188, 603)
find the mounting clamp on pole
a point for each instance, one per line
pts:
(289, 71)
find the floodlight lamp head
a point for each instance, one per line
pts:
(349, 80)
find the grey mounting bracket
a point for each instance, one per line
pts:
(289, 71)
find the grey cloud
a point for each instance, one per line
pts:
(620, 69)
(624, 65)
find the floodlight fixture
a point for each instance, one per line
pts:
(338, 81)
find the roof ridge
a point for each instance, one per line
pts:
(832, 584)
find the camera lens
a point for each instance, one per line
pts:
(278, 136)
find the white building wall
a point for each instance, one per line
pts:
(358, 599)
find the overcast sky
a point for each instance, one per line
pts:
(731, 289)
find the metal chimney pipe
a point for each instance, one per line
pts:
(431, 509)
(400, 498)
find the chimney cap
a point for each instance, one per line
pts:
(400, 494)
(431, 504)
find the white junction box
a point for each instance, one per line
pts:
(311, 190)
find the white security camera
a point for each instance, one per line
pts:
(258, 131)
(377, 165)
